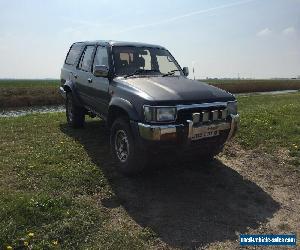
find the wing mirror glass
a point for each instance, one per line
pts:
(185, 71)
(100, 70)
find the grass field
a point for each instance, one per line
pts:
(271, 122)
(58, 185)
(51, 187)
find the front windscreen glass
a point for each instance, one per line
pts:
(145, 61)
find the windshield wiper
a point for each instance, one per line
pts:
(170, 73)
(140, 71)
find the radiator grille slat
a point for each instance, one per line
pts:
(203, 115)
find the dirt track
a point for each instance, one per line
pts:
(191, 205)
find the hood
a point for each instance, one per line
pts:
(178, 88)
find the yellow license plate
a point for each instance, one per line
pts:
(201, 135)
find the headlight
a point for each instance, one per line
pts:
(232, 108)
(165, 114)
(159, 114)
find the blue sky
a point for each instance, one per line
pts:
(252, 38)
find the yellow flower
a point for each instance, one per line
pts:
(31, 234)
(296, 146)
(54, 242)
(26, 243)
(9, 248)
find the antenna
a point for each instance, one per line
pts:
(194, 69)
(194, 72)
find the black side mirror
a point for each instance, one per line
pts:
(100, 70)
(185, 71)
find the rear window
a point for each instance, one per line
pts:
(73, 53)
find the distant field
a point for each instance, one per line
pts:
(248, 86)
(24, 93)
(28, 83)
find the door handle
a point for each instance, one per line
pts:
(90, 80)
(75, 75)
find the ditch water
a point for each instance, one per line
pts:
(14, 112)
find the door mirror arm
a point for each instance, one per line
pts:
(185, 71)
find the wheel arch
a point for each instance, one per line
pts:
(69, 87)
(121, 107)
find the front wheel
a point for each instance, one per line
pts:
(75, 114)
(129, 158)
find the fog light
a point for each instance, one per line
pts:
(224, 113)
(205, 116)
(196, 117)
(215, 115)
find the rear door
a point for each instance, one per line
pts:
(83, 73)
(100, 85)
(69, 69)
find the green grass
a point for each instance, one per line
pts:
(271, 122)
(28, 83)
(52, 185)
(49, 186)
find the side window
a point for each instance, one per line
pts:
(86, 59)
(101, 57)
(73, 54)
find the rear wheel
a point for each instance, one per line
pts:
(129, 157)
(75, 114)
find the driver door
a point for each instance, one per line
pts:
(100, 85)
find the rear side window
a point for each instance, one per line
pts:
(86, 59)
(73, 53)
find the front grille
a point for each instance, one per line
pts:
(202, 115)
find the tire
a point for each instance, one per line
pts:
(130, 159)
(75, 114)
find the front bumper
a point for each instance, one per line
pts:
(171, 132)
(62, 92)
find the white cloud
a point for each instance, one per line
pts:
(264, 32)
(289, 31)
(194, 13)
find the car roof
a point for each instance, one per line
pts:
(120, 43)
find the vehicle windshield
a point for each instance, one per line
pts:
(144, 61)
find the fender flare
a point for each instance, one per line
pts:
(70, 87)
(126, 106)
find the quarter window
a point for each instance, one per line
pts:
(73, 53)
(86, 59)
